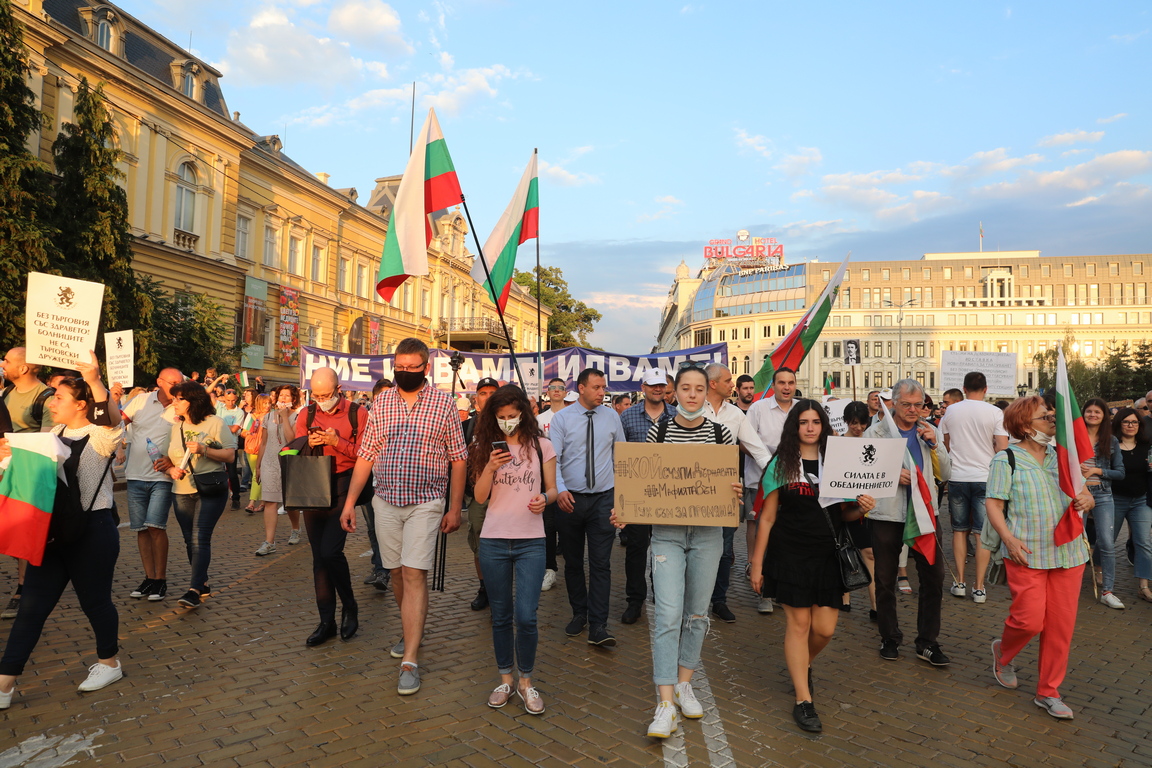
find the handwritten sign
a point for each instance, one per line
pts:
(677, 484)
(855, 465)
(998, 367)
(60, 320)
(119, 356)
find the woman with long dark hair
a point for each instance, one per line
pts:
(513, 469)
(1100, 471)
(857, 420)
(200, 448)
(87, 557)
(1130, 494)
(279, 429)
(801, 567)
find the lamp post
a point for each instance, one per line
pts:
(1021, 390)
(900, 337)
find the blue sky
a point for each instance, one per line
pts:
(888, 131)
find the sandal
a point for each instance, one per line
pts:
(1146, 594)
(903, 585)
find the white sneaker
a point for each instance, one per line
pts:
(280, 510)
(765, 605)
(1111, 601)
(979, 596)
(959, 589)
(100, 676)
(294, 537)
(665, 722)
(549, 580)
(265, 549)
(6, 698)
(689, 704)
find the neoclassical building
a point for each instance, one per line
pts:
(217, 208)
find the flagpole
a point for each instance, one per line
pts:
(539, 330)
(494, 292)
(412, 123)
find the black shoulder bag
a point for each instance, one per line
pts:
(207, 484)
(853, 574)
(69, 516)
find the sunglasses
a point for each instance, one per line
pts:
(691, 364)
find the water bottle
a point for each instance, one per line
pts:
(153, 451)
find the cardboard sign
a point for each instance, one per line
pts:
(677, 484)
(120, 357)
(998, 367)
(855, 465)
(61, 319)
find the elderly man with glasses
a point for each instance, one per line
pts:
(888, 520)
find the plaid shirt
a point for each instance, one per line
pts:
(411, 449)
(1035, 506)
(637, 422)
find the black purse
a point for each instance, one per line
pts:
(208, 484)
(853, 574)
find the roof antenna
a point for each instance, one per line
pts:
(189, 41)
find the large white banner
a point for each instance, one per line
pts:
(998, 367)
(856, 465)
(120, 357)
(61, 319)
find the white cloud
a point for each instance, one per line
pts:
(271, 50)
(761, 145)
(447, 61)
(1131, 37)
(1094, 174)
(452, 91)
(875, 178)
(988, 163)
(1083, 201)
(564, 177)
(1114, 118)
(669, 204)
(371, 24)
(804, 161)
(625, 300)
(1073, 152)
(1072, 137)
(670, 200)
(804, 227)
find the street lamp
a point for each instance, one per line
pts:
(900, 337)
(1021, 390)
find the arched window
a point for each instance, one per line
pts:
(104, 35)
(190, 85)
(186, 198)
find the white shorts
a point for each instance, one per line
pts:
(407, 535)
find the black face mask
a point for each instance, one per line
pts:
(409, 381)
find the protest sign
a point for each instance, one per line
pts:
(856, 465)
(677, 484)
(120, 357)
(835, 411)
(61, 319)
(998, 367)
(852, 352)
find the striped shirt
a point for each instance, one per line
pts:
(705, 433)
(1036, 505)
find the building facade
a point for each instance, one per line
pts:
(216, 208)
(905, 314)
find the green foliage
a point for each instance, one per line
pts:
(1123, 374)
(571, 320)
(25, 196)
(190, 333)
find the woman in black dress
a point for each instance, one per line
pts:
(801, 567)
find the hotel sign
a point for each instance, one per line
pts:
(746, 248)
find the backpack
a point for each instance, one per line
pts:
(990, 540)
(662, 431)
(38, 404)
(69, 515)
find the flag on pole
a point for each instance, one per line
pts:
(920, 520)
(28, 492)
(244, 379)
(1072, 442)
(828, 385)
(519, 222)
(429, 184)
(794, 347)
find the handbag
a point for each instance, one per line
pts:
(307, 476)
(853, 574)
(208, 484)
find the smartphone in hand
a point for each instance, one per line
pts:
(500, 445)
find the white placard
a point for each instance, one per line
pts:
(835, 411)
(998, 367)
(61, 319)
(855, 465)
(531, 372)
(120, 357)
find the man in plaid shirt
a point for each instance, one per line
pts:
(412, 439)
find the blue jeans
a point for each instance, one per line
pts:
(149, 503)
(1103, 519)
(1136, 511)
(503, 562)
(724, 571)
(966, 505)
(684, 562)
(198, 516)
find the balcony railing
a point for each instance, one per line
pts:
(461, 324)
(185, 240)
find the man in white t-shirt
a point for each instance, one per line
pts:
(557, 389)
(973, 433)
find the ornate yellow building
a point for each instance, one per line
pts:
(216, 208)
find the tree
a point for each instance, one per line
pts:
(571, 320)
(93, 237)
(189, 330)
(1142, 361)
(1114, 375)
(25, 196)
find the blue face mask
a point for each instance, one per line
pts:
(689, 415)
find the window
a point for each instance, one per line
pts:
(928, 296)
(1137, 267)
(1045, 270)
(270, 246)
(722, 334)
(243, 231)
(890, 350)
(836, 350)
(767, 330)
(868, 320)
(269, 338)
(907, 349)
(824, 275)
(919, 349)
(104, 35)
(885, 274)
(1024, 271)
(877, 349)
(1091, 268)
(1067, 270)
(361, 277)
(186, 198)
(294, 255)
(342, 275)
(947, 273)
(317, 263)
(927, 273)
(889, 379)
(865, 274)
(1113, 269)
(968, 273)
(906, 273)
(779, 331)
(932, 379)
(425, 303)
(747, 332)
(189, 85)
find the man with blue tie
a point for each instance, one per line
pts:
(584, 436)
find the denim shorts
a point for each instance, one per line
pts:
(149, 503)
(966, 505)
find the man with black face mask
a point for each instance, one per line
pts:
(411, 444)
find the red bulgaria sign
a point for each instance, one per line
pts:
(746, 248)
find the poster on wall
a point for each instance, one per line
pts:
(61, 319)
(289, 327)
(252, 328)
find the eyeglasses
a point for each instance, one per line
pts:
(1045, 418)
(1129, 423)
(911, 405)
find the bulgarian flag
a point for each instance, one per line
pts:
(27, 493)
(794, 347)
(920, 522)
(429, 184)
(521, 221)
(828, 387)
(1072, 442)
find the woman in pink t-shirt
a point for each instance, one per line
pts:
(514, 470)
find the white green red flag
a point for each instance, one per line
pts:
(920, 520)
(28, 492)
(794, 347)
(244, 379)
(1072, 443)
(429, 184)
(828, 385)
(520, 222)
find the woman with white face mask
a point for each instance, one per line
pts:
(513, 469)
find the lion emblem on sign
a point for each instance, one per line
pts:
(65, 296)
(868, 456)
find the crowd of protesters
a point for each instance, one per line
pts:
(534, 482)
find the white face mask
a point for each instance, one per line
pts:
(328, 405)
(1041, 437)
(689, 415)
(508, 425)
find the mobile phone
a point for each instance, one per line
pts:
(315, 429)
(500, 445)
